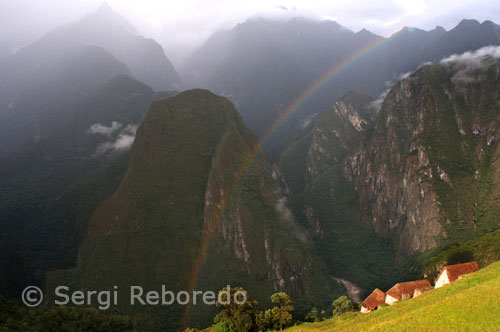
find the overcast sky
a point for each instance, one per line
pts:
(181, 25)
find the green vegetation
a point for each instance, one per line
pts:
(237, 311)
(278, 317)
(343, 305)
(51, 187)
(469, 304)
(484, 250)
(237, 315)
(15, 317)
(327, 204)
(463, 163)
(315, 315)
(222, 222)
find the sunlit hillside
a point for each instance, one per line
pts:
(469, 304)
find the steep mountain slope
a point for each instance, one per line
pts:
(196, 210)
(312, 171)
(404, 51)
(468, 304)
(107, 29)
(50, 186)
(335, 133)
(262, 66)
(426, 175)
(68, 63)
(32, 99)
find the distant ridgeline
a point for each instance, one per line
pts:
(281, 74)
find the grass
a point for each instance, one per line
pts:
(469, 304)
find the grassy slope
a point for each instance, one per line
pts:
(470, 304)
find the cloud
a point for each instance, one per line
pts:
(474, 58)
(101, 129)
(122, 142)
(283, 209)
(377, 103)
(471, 64)
(470, 61)
(181, 26)
(304, 123)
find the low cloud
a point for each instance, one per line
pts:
(377, 103)
(471, 64)
(474, 58)
(101, 129)
(307, 121)
(283, 209)
(121, 142)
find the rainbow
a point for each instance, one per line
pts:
(255, 151)
(323, 80)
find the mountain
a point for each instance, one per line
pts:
(222, 222)
(468, 35)
(33, 98)
(52, 184)
(43, 79)
(404, 51)
(311, 170)
(279, 74)
(107, 29)
(263, 66)
(426, 174)
(416, 179)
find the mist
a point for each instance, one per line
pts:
(182, 26)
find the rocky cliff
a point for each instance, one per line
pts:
(311, 170)
(426, 173)
(419, 174)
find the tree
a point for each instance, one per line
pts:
(283, 300)
(224, 325)
(278, 317)
(313, 316)
(343, 305)
(237, 313)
